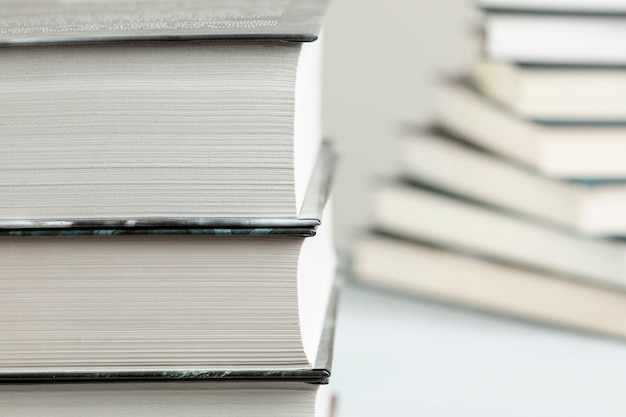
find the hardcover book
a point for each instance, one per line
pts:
(556, 38)
(168, 297)
(560, 150)
(420, 213)
(440, 160)
(158, 109)
(425, 270)
(191, 392)
(160, 303)
(553, 93)
(165, 163)
(165, 228)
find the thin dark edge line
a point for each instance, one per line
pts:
(616, 14)
(282, 38)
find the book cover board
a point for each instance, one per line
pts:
(54, 21)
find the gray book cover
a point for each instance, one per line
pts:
(71, 21)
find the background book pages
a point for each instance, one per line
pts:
(564, 93)
(556, 39)
(512, 202)
(475, 282)
(555, 32)
(166, 226)
(436, 158)
(413, 212)
(560, 150)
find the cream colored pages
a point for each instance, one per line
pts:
(133, 303)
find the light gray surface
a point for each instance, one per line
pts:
(397, 356)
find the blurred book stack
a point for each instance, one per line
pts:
(163, 182)
(514, 201)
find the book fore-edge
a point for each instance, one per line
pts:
(305, 224)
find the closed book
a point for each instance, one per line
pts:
(437, 159)
(247, 295)
(553, 93)
(419, 213)
(150, 109)
(560, 150)
(195, 392)
(428, 271)
(135, 303)
(556, 38)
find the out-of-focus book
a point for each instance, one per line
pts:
(459, 278)
(513, 202)
(561, 150)
(562, 93)
(441, 160)
(564, 32)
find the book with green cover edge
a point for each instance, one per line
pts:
(318, 374)
(304, 225)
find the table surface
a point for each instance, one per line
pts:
(401, 356)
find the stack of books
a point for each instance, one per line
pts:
(163, 183)
(514, 201)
